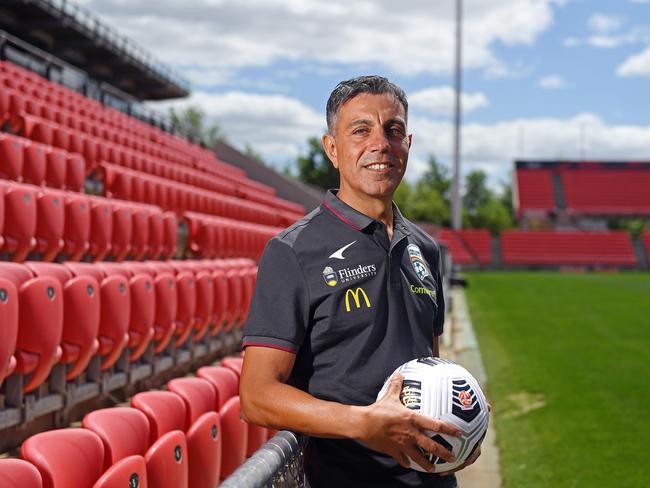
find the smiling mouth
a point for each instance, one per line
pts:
(379, 166)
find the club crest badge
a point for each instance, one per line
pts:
(418, 262)
(330, 276)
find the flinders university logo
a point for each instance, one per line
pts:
(357, 294)
(417, 261)
(329, 276)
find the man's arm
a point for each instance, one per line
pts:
(385, 426)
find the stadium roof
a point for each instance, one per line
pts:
(71, 33)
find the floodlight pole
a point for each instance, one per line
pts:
(456, 201)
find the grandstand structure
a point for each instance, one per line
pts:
(127, 261)
(565, 209)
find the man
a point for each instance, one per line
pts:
(343, 297)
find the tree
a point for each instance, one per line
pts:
(191, 123)
(437, 177)
(315, 167)
(252, 153)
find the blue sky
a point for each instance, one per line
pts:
(542, 78)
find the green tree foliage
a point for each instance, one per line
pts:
(191, 122)
(252, 153)
(482, 208)
(315, 168)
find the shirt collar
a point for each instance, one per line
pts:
(356, 219)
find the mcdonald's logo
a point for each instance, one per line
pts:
(357, 301)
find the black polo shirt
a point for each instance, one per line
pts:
(352, 306)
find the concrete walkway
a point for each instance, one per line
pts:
(459, 344)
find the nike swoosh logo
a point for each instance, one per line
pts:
(339, 254)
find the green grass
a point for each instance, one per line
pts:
(567, 356)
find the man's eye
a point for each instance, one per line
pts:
(396, 131)
(360, 131)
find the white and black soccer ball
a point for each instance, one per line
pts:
(444, 390)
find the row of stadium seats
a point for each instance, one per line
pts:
(211, 237)
(468, 246)
(44, 223)
(613, 248)
(97, 140)
(550, 248)
(79, 323)
(191, 435)
(588, 189)
(138, 186)
(27, 161)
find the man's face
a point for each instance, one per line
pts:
(370, 145)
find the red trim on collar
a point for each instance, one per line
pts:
(331, 209)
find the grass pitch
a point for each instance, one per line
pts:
(567, 356)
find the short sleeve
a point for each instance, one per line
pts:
(279, 312)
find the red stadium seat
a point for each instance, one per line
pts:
(122, 231)
(11, 156)
(124, 431)
(198, 394)
(16, 473)
(166, 303)
(235, 295)
(77, 226)
(70, 458)
(37, 129)
(50, 218)
(170, 234)
(167, 463)
(115, 311)
(40, 323)
(127, 473)
(8, 327)
(204, 294)
(235, 437)
(140, 237)
(143, 307)
(56, 168)
(101, 228)
(224, 380)
(75, 173)
(80, 315)
(35, 163)
(164, 410)
(220, 309)
(233, 363)
(203, 430)
(19, 219)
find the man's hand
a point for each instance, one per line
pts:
(472, 459)
(393, 429)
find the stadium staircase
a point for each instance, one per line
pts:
(128, 261)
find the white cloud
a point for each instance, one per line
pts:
(552, 82)
(275, 125)
(636, 65)
(604, 23)
(494, 146)
(406, 39)
(440, 100)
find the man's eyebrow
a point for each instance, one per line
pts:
(356, 122)
(396, 120)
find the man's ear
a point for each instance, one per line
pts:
(410, 136)
(329, 145)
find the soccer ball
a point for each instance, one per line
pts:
(446, 391)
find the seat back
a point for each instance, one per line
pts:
(77, 226)
(164, 410)
(40, 322)
(80, 315)
(16, 473)
(130, 472)
(50, 220)
(20, 219)
(235, 436)
(205, 450)
(233, 363)
(167, 463)
(224, 381)
(198, 394)
(70, 458)
(124, 432)
(8, 327)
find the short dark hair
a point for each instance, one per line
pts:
(348, 89)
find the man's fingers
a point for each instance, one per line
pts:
(416, 455)
(395, 386)
(427, 423)
(432, 447)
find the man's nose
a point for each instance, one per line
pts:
(378, 140)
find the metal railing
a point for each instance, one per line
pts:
(277, 464)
